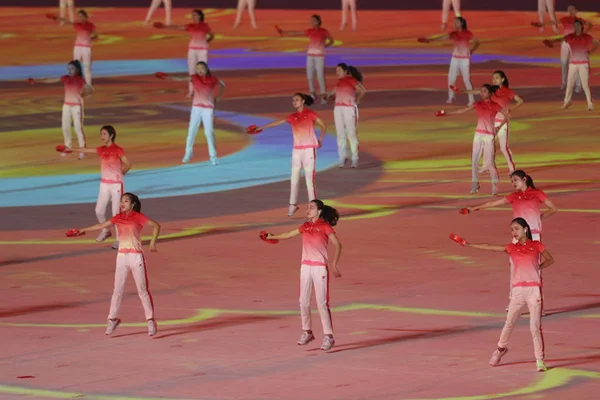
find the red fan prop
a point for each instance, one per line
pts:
(61, 148)
(74, 232)
(458, 239)
(440, 113)
(423, 40)
(158, 25)
(161, 75)
(263, 236)
(253, 130)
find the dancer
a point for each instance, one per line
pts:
(72, 112)
(348, 93)
(201, 35)
(350, 5)
(314, 271)
(129, 223)
(526, 286)
(581, 45)
(461, 55)
(565, 51)
(503, 96)
(63, 6)
(543, 6)
(82, 52)
(526, 202)
(319, 39)
(250, 5)
(446, 10)
(485, 134)
(113, 167)
(304, 155)
(154, 6)
(203, 84)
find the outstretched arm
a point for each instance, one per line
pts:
(486, 246)
(284, 236)
(460, 111)
(176, 27)
(155, 232)
(97, 227)
(272, 124)
(437, 38)
(48, 80)
(292, 33)
(551, 209)
(84, 150)
(489, 204)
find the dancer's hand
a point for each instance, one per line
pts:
(336, 272)
(153, 246)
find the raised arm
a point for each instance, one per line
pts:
(125, 165)
(548, 259)
(284, 236)
(360, 89)
(319, 122)
(336, 257)
(486, 246)
(551, 209)
(489, 204)
(272, 124)
(97, 227)
(155, 232)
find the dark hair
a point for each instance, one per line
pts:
(352, 71)
(329, 214)
(83, 12)
(525, 225)
(521, 174)
(491, 88)
(208, 73)
(137, 204)
(77, 65)
(463, 22)
(200, 14)
(112, 132)
(318, 18)
(578, 21)
(308, 100)
(503, 76)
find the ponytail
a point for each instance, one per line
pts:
(491, 88)
(528, 180)
(308, 100)
(328, 214)
(352, 71)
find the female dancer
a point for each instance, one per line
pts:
(319, 39)
(129, 223)
(113, 167)
(154, 6)
(63, 5)
(565, 51)
(304, 155)
(72, 112)
(525, 254)
(446, 11)
(349, 5)
(503, 96)
(581, 45)
(461, 55)
(201, 35)
(485, 134)
(82, 52)
(202, 84)
(525, 202)
(242, 4)
(314, 271)
(348, 93)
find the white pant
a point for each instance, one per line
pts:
(484, 145)
(346, 121)
(502, 137)
(135, 263)
(583, 72)
(315, 65)
(317, 276)
(565, 57)
(460, 66)
(73, 114)
(303, 159)
(350, 5)
(109, 192)
(532, 297)
(204, 116)
(446, 9)
(84, 56)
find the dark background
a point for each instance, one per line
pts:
(505, 5)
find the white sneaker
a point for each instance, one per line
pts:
(115, 245)
(328, 343)
(104, 234)
(541, 366)
(186, 159)
(342, 163)
(111, 325)
(292, 209)
(590, 106)
(81, 156)
(475, 188)
(494, 190)
(214, 161)
(354, 163)
(152, 327)
(497, 356)
(306, 338)
(64, 154)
